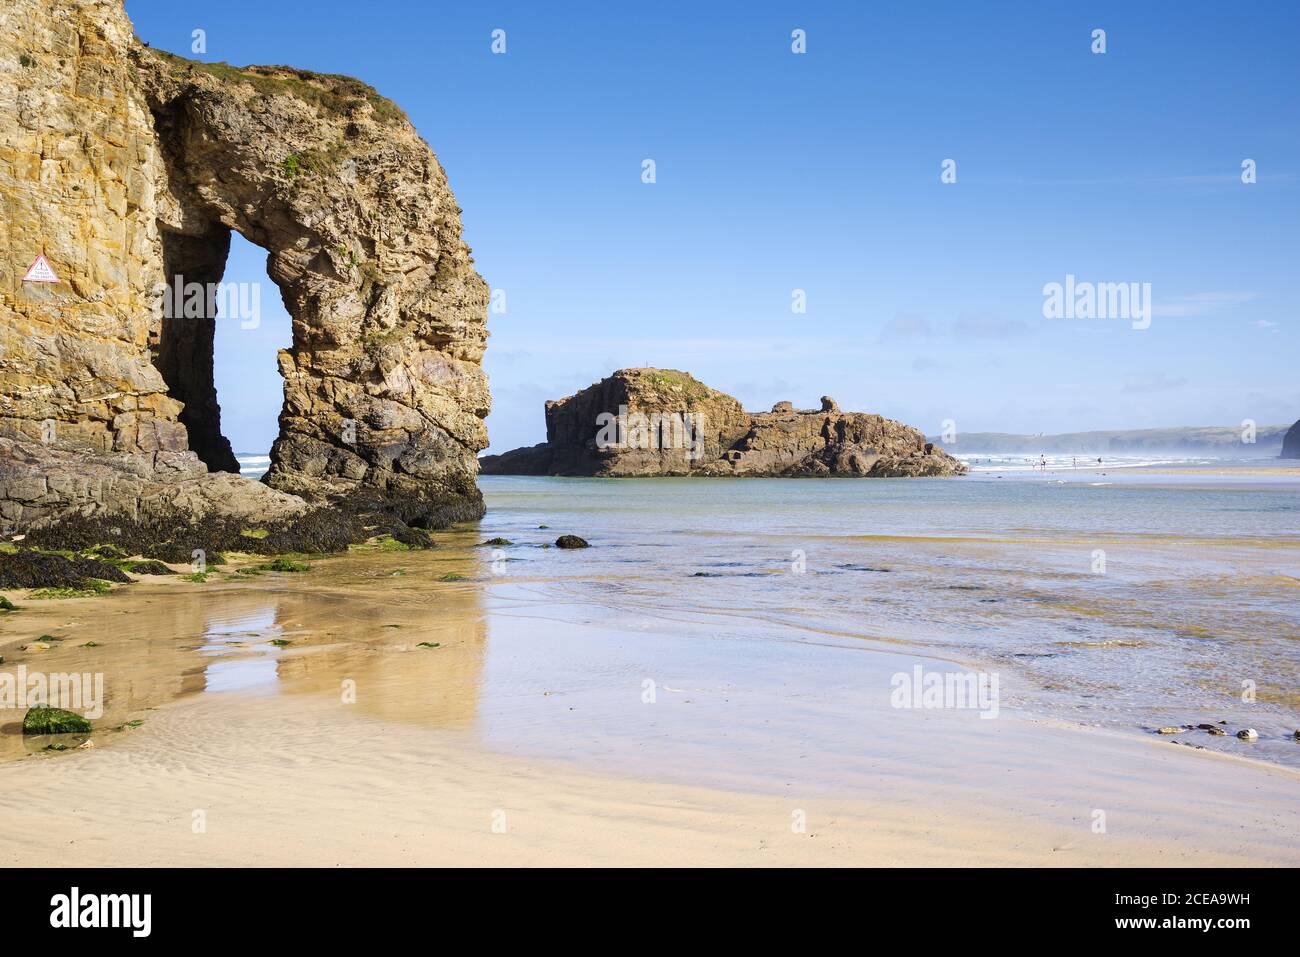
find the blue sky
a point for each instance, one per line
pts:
(821, 172)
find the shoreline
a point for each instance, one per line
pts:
(440, 739)
(307, 788)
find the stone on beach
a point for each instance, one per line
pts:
(46, 720)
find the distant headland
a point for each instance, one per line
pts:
(1230, 441)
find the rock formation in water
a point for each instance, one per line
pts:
(644, 422)
(128, 169)
(1291, 443)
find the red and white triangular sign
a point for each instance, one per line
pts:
(41, 271)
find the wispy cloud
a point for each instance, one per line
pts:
(1227, 178)
(1202, 303)
(1155, 382)
(971, 328)
(905, 327)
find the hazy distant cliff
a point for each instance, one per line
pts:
(1291, 443)
(1209, 440)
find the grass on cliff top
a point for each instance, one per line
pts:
(669, 379)
(331, 92)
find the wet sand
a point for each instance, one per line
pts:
(525, 737)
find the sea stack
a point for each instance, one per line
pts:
(648, 422)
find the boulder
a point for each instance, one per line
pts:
(45, 720)
(32, 569)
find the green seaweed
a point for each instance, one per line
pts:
(284, 565)
(43, 719)
(90, 587)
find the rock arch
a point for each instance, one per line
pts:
(383, 386)
(129, 167)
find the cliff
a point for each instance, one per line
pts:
(128, 169)
(1206, 440)
(648, 422)
(1291, 443)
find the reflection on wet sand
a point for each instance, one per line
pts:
(377, 633)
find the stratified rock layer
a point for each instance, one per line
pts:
(129, 168)
(672, 424)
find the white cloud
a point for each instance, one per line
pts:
(1202, 303)
(1155, 382)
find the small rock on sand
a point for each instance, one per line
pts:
(44, 720)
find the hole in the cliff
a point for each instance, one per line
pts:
(222, 326)
(248, 376)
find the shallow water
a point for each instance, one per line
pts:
(1130, 606)
(759, 609)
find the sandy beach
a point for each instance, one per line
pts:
(368, 712)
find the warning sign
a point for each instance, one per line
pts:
(41, 271)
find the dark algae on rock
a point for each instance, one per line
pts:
(28, 568)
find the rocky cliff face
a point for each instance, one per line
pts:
(129, 168)
(1291, 443)
(643, 422)
(636, 422)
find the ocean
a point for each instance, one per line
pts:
(1129, 606)
(1141, 593)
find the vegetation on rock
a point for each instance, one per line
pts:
(45, 720)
